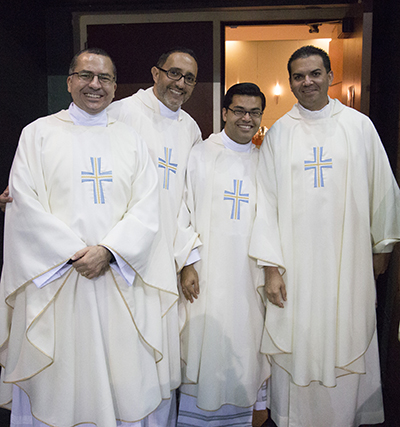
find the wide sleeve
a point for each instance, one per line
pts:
(133, 236)
(186, 238)
(384, 196)
(265, 243)
(35, 239)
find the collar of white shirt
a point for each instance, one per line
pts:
(82, 118)
(320, 114)
(166, 112)
(234, 146)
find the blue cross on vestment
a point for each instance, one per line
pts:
(167, 166)
(318, 165)
(236, 196)
(97, 178)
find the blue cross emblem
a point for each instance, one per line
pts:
(167, 166)
(236, 196)
(318, 165)
(97, 178)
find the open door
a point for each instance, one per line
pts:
(259, 54)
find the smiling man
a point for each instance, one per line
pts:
(169, 133)
(92, 95)
(223, 368)
(80, 328)
(174, 79)
(310, 78)
(328, 216)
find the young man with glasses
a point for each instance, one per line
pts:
(223, 368)
(80, 328)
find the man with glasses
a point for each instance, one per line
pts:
(156, 115)
(169, 133)
(80, 328)
(223, 368)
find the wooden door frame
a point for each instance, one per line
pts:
(219, 17)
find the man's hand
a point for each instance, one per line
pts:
(4, 199)
(190, 282)
(275, 288)
(380, 262)
(92, 261)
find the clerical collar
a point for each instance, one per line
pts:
(166, 112)
(234, 146)
(319, 114)
(82, 118)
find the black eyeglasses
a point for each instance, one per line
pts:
(175, 75)
(242, 113)
(88, 76)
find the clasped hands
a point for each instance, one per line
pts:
(92, 261)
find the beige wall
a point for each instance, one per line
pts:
(264, 63)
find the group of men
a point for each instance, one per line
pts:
(139, 259)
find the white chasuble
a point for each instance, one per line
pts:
(220, 341)
(84, 351)
(169, 142)
(327, 200)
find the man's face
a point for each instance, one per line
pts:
(92, 97)
(242, 129)
(174, 93)
(309, 82)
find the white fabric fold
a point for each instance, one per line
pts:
(327, 201)
(221, 336)
(169, 137)
(68, 338)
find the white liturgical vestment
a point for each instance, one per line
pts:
(169, 141)
(327, 200)
(84, 351)
(221, 339)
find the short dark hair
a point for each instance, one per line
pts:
(248, 89)
(163, 58)
(95, 51)
(305, 52)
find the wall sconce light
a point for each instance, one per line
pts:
(277, 92)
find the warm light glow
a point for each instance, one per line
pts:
(277, 90)
(231, 45)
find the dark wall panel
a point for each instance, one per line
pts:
(136, 48)
(23, 78)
